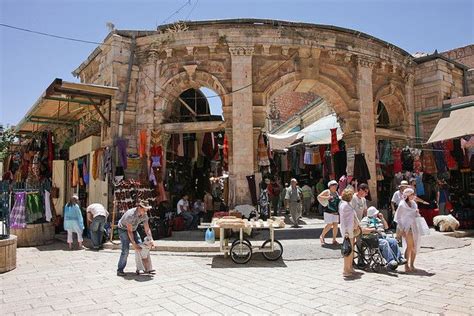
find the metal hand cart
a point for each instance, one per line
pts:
(241, 249)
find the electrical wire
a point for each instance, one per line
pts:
(188, 2)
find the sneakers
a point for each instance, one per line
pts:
(392, 265)
(121, 273)
(402, 261)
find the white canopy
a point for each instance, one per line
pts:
(459, 123)
(281, 141)
(319, 132)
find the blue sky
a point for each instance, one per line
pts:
(29, 63)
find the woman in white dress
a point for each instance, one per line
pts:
(405, 216)
(329, 199)
(349, 223)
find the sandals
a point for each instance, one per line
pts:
(323, 242)
(334, 242)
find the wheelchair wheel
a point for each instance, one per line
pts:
(240, 252)
(362, 257)
(377, 261)
(277, 250)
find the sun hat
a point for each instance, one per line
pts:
(404, 183)
(372, 211)
(144, 204)
(332, 182)
(407, 192)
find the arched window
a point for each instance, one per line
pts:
(198, 105)
(382, 118)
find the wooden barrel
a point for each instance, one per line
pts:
(8, 254)
(34, 235)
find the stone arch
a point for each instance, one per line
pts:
(183, 81)
(394, 101)
(325, 87)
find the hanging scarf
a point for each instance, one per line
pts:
(334, 143)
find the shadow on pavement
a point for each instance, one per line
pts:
(139, 278)
(257, 261)
(420, 272)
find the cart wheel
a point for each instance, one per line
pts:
(277, 250)
(240, 252)
(245, 240)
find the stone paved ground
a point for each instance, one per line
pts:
(50, 280)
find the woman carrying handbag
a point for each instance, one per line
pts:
(349, 229)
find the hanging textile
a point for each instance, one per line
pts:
(225, 152)
(316, 156)
(386, 153)
(417, 165)
(262, 152)
(47, 206)
(85, 172)
(342, 184)
(378, 167)
(361, 171)
(340, 163)
(34, 207)
(50, 152)
(450, 161)
(180, 152)
(75, 174)
(428, 162)
(107, 163)
(95, 164)
(397, 160)
(407, 160)
(209, 147)
(284, 162)
(155, 137)
(439, 157)
(308, 156)
(252, 189)
(18, 212)
(142, 141)
(420, 188)
(334, 143)
(122, 145)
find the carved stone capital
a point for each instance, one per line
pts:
(285, 50)
(365, 62)
(212, 49)
(153, 55)
(242, 50)
(190, 70)
(169, 52)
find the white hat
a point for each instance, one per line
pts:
(404, 183)
(75, 196)
(407, 192)
(372, 211)
(332, 182)
(294, 180)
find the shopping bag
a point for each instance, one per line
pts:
(346, 248)
(422, 226)
(210, 236)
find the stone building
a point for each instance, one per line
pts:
(251, 63)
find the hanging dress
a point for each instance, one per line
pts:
(397, 160)
(18, 212)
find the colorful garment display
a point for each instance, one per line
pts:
(438, 152)
(34, 207)
(448, 158)
(361, 170)
(18, 212)
(334, 143)
(428, 162)
(262, 152)
(397, 160)
(122, 145)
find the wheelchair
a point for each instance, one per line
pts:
(367, 255)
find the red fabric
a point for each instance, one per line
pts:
(450, 161)
(334, 143)
(225, 150)
(156, 151)
(322, 150)
(397, 160)
(142, 143)
(178, 223)
(417, 167)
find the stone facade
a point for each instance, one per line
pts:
(249, 63)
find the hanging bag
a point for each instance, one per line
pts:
(346, 248)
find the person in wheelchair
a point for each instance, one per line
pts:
(375, 223)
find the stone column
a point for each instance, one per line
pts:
(242, 122)
(367, 119)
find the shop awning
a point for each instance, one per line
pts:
(319, 132)
(459, 123)
(64, 103)
(281, 141)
